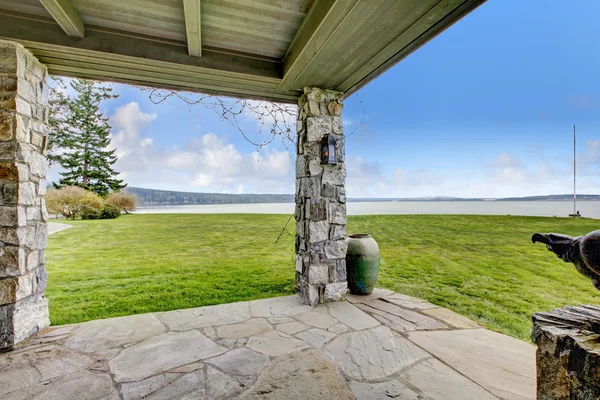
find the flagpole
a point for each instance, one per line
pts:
(574, 172)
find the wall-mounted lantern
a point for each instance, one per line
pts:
(328, 150)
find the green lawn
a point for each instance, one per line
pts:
(484, 267)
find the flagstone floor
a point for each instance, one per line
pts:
(385, 345)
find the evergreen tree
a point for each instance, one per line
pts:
(81, 139)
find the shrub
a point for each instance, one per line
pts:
(110, 212)
(65, 201)
(73, 202)
(123, 201)
(89, 213)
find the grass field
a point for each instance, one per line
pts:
(484, 267)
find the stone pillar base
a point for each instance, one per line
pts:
(568, 355)
(320, 200)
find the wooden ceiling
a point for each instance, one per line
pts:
(264, 49)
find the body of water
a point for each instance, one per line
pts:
(590, 209)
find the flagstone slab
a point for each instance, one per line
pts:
(142, 389)
(315, 337)
(411, 303)
(162, 353)
(275, 343)
(351, 316)
(18, 378)
(451, 318)
(292, 327)
(407, 319)
(503, 365)
(317, 319)
(82, 385)
(376, 294)
(59, 364)
(301, 375)
(386, 390)
(220, 385)
(373, 354)
(189, 386)
(244, 329)
(103, 334)
(391, 321)
(281, 320)
(244, 362)
(194, 318)
(338, 328)
(285, 306)
(438, 382)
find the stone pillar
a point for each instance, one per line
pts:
(23, 166)
(320, 200)
(568, 354)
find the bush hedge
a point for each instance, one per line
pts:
(73, 202)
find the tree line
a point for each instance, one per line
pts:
(153, 196)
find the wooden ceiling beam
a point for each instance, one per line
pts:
(65, 15)
(193, 26)
(317, 28)
(445, 14)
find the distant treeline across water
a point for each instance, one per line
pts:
(168, 197)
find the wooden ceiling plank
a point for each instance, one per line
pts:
(45, 50)
(366, 43)
(104, 73)
(317, 28)
(193, 26)
(65, 15)
(112, 44)
(151, 73)
(440, 17)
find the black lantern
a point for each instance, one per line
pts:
(328, 150)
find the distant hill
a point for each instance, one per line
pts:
(551, 197)
(169, 197)
(554, 197)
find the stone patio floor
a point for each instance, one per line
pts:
(382, 346)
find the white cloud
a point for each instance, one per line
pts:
(368, 179)
(129, 120)
(505, 160)
(206, 163)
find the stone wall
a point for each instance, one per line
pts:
(23, 166)
(320, 200)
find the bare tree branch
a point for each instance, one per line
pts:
(273, 119)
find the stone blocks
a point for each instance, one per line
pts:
(23, 167)
(320, 200)
(568, 354)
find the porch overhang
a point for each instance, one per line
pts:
(259, 49)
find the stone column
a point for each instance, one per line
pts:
(23, 166)
(320, 200)
(568, 354)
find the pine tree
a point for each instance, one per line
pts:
(81, 139)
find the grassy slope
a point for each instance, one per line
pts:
(480, 266)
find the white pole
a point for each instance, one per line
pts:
(574, 172)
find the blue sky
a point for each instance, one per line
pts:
(486, 109)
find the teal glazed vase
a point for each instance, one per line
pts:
(362, 263)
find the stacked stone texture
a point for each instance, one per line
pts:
(23, 167)
(320, 200)
(568, 354)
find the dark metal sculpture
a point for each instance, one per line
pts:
(582, 251)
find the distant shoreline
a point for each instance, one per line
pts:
(154, 197)
(588, 208)
(377, 200)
